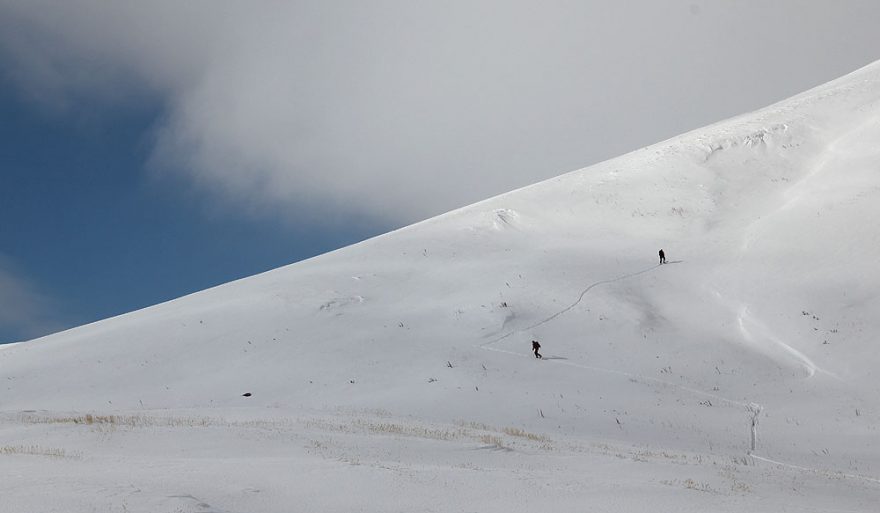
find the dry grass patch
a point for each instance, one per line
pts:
(519, 433)
(91, 419)
(36, 450)
(145, 421)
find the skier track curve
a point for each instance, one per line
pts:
(638, 377)
(569, 307)
(750, 407)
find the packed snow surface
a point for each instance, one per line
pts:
(396, 374)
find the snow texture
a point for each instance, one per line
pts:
(396, 374)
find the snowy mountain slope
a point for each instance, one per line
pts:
(740, 375)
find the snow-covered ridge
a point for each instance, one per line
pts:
(745, 364)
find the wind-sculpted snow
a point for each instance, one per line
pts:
(396, 374)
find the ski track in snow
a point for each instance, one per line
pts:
(744, 317)
(752, 408)
(569, 307)
(826, 473)
(488, 346)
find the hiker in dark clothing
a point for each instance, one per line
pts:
(535, 347)
(662, 257)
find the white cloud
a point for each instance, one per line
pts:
(400, 110)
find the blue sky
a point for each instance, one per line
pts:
(94, 233)
(153, 149)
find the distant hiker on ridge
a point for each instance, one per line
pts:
(662, 257)
(535, 347)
